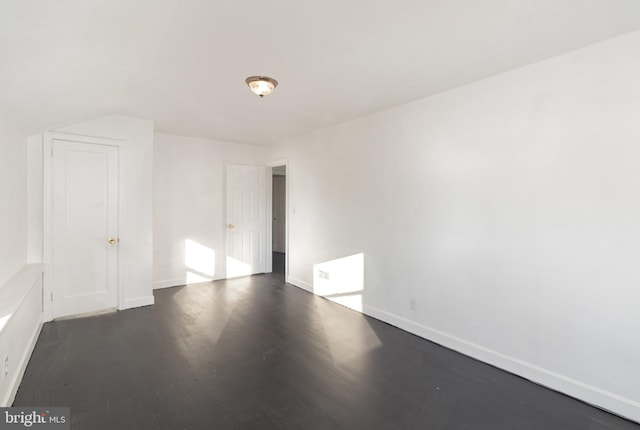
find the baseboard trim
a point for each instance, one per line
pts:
(167, 283)
(179, 282)
(138, 302)
(24, 360)
(300, 283)
(612, 402)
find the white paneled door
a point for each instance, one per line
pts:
(246, 216)
(84, 199)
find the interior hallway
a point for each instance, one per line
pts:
(256, 353)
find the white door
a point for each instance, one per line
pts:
(84, 190)
(279, 212)
(246, 216)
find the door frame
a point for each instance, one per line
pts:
(269, 240)
(48, 138)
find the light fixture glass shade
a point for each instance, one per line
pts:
(261, 85)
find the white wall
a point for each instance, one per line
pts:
(13, 201)
(35, 196)
(507, 210)
(20, 284)
(189, 206)
(136, 236)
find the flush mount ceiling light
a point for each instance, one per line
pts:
(261, 85)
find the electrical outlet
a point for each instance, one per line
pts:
(412, 305)
(6, 366)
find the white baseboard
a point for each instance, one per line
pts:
(22, 366)
(138, 302)
(619, 405)
(178, 282)
(300, 283)
(167, 283)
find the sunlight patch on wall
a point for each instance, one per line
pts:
(237, 268)
(194, 278)
(341, 280)
(200, 262)
(4, 320)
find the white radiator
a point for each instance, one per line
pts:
(20, 324)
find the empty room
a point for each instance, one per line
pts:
(334, 215)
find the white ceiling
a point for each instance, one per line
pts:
(183, 63)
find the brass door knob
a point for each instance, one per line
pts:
(112, 241)
(230, 226)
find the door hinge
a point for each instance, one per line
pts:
(52, 296)
(52, 152)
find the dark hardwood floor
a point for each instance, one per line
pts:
(256, 353)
